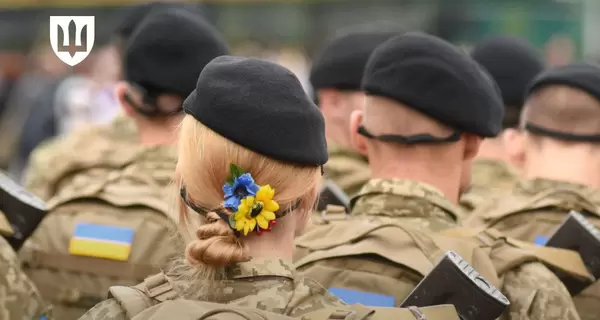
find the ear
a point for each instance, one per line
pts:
(472, 144)
(122, 89)
(358, 142)
(514, 142)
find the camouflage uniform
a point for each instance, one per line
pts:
(62, 154)
(530, 286)
(533, 211)
(265, 284)
(346, 168)
(19, 298)
(488, 177)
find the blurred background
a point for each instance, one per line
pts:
(62, 98)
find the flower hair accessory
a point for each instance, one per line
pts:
(252, 205)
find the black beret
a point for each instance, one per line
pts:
(261, 106)
(342, 63)
(434, 77)
(581, 75)
(136, 14)
(512, 62)
(169, 50)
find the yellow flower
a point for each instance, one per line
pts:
(259, 210)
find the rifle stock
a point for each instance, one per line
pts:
(23, 210)
(579, 235)
(454, 281)
(331, 194)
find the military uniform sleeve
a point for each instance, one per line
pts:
(36, 179)
(536, 293)
(106, 310)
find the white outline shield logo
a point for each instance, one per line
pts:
(72, 53)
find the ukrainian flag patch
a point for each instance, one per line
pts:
(365, 298)
(540, 240)
(101, 241)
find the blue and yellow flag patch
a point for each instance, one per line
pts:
(365, 298)
(101, 241)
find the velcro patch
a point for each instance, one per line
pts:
(365, 298)
(540, 240)
(101, 241)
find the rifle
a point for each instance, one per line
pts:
(454, 281)
(579, 235)
(331, 194)
(23, 210)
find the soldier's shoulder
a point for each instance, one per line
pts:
(106, 310)
(311, 296)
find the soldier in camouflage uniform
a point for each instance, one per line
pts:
(335, 76)
(20, 298)
(513, 63)
(420, 134)
(58, 152)
(231, 94)
(561, 130)
(108, 184)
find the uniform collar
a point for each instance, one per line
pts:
(336, 150)
(262, 267)
(537, 185)
(403, 198)
(488, 172)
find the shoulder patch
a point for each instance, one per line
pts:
(365, 298)
(540, 240)
(101, 241)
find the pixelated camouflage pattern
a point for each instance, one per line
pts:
(71, 152)
(398, 198)
(411, 199)
(488, 177)
(346, 168)
(536, 293)
(535, 208)
(19, 298)
(266, 284)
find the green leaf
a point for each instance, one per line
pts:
(230, 179)
(232, 221)
(235, 171)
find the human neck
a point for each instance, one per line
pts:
(164, 134)
(445, 178)
(276, 244)
(581, 168)
(492, 149)
(338, 135)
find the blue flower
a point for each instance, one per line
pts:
(242, 187)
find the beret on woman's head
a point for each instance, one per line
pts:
(260, 106)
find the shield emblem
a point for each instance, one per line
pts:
(72, 37)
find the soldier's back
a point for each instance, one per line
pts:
(534, 210)
(266, 284)
(489, 178)
(347, 169)
(362, 258)
(76, 151)
(107, 224)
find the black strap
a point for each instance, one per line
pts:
(564, 136)
(423, 138)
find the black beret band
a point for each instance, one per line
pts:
(581, 75)
(260, 106)
(435, 78)
(342, 63)
(169, 50)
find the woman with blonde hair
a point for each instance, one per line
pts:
(251, 147)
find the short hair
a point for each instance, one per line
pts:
(563, 109)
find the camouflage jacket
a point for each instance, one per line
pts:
(347, 169)
(76, 151)
(534, 291)
(422, 204)
(20, 300)
(488, 177)
(265, 284)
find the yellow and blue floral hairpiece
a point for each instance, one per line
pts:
(251, 206)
